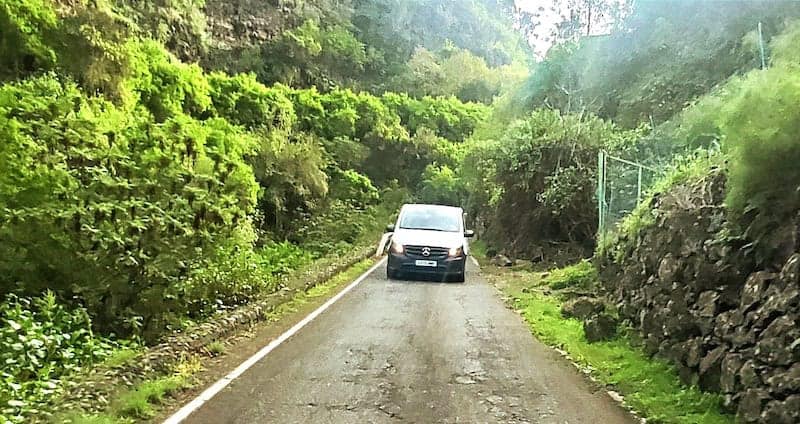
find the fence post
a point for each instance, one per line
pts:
(761, 46)
(601, 195)
(639, 187)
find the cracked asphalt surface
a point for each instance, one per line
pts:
(413, 352)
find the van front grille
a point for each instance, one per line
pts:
(435, 252)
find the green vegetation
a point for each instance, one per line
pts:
(41, 341)
(320, 290)
(468, 50)
(649, 385)
(537, 180)
(580, 275)
(122, 357)
(216, 348)
(684, 169)
(172, 160)
(745, 128)
(146, 193)
(630, 77)
(95, 419)
(137, 403)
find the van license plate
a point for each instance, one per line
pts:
(426, 263)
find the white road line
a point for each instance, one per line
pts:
(475, 261)
(217, 387)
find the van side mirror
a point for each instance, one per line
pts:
(469, 233)
(390, 228)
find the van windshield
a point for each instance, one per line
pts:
(433, 219)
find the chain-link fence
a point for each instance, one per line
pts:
(621, 185)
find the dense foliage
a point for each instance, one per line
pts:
(170, 159)
(40, 341)
(129, 207)
(143, 192)
(465, 49)
(537, 181)
(753, 119)
(658, 59)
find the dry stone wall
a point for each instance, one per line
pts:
(695, 295)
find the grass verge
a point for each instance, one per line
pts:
(320, 290)
(650, 385)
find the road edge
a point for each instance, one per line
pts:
(195, 404)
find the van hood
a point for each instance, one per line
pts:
(428, 238)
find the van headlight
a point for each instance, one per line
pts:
(455, 251)
(397, 248)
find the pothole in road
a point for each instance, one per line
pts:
(463, 379)
(494, 399)
(471, 377)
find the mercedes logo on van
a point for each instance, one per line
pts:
(426, 251)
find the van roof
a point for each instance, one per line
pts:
(428, 206)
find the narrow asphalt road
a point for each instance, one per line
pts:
(413, 352)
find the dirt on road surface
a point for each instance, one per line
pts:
(413, 352)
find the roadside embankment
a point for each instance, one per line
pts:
(693, 291)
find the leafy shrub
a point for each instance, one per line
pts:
(279, 259)
(110, 206)
(23, 28)
(354, 188)
(40, 342)
(166, 87)
(179, 25)
(337, 227)
(84, 41)
(243, 100)
(440, 185)
(580, 275)
(447, 116)
(315, 53)
(542, 174)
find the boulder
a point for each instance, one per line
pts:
(537, 255)
(726, 325)
(686, 375)
(778, 300)
(751, 405)
(744, 336)
(650, 321)
(694, 351)
(672, 351)
(600, 327)
(729, 294)
(669, 269)
(679, 324)
(502, 261)
(730, 402)
(582, 307)
(790, 274)
(754, 289)
(786, 381)
(651, 344)
(729, 371)
(749, 375)
(782, 412)
(711, 369)
(707, 304)
(779, 343)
